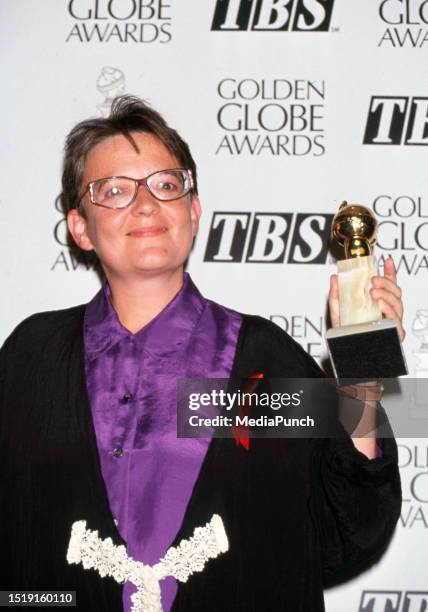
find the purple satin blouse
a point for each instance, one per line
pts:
(131, 381)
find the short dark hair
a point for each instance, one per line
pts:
(128, 114)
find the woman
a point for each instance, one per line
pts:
(88, 409)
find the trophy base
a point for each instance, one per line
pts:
(367, 351)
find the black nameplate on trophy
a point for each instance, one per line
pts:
(367, 351)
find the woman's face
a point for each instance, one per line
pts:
(149, 236)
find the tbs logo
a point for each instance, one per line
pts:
(273, 15)
(393, 601)
(261, 237)
(397, 120)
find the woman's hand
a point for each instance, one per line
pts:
(385, 291)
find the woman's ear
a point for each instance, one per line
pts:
(195, 213)
(77, 225)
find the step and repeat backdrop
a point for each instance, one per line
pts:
(289, 107)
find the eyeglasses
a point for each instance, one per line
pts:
(121, 191)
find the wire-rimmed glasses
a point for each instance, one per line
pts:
(121, 191)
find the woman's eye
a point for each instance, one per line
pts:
(167, 186)
(114, 191)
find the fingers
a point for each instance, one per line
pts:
(390, 299)
(334, 286)
(389, 313)
(389, 270)
(388, 294)
(333, 301)
(385, 291)
(389, 280)
(385, 284)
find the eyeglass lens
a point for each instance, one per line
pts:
(118, 192)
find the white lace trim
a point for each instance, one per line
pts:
(190, 556)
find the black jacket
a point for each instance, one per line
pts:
(299, 514)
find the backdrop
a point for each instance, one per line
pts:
(290, 107)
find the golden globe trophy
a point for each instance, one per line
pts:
(365, 346)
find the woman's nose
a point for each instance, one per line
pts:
(145, 203)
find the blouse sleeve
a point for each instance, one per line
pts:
(355, 504)
(354, 501)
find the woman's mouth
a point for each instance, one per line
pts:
(146, 232)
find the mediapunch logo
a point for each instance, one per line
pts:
(397, 120)
(272, 15)
(270, 238)
(123, 21)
